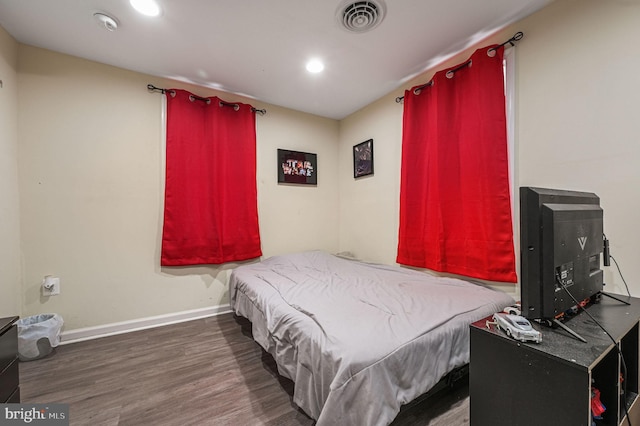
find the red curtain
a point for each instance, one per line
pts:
(455, 209)
(211, 208)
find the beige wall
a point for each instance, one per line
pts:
(10, 275)
(297, 217)
(369, 205)
(578, 120)
(577, 128)
(91, 187)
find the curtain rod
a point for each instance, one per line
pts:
(516, 37)
(236, 107)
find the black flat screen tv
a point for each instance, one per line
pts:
(561, 243)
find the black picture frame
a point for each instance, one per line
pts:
(297, 167)
(363, 159)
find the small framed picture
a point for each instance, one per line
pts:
(297, 167)
(363, 159)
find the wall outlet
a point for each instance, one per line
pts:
(50, 286)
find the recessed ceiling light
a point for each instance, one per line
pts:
(146, 7)
(315, 66)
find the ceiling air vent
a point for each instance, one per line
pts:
(361, 16)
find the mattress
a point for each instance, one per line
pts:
(359, 340)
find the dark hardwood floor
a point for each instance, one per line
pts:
(202, 372)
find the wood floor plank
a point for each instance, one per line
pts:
(202, 372)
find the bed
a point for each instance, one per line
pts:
(358, 339)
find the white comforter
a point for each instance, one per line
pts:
(358, 339)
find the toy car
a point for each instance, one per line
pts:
(513, 309)
(517, 327)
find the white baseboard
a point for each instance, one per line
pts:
(89, 333)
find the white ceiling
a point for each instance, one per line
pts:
(258, 48)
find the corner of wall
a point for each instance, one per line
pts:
(10, 259)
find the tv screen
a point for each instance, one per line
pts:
(561, 235)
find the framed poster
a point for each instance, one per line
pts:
(297, 167)
(363, 159)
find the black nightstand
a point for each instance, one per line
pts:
(9, 372)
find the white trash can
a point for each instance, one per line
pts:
(38, 335)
